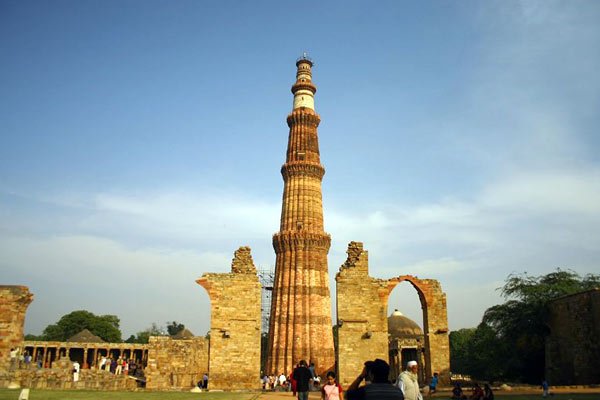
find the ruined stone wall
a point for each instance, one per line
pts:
(361, 315)
(362, 309)
(435, 321)
(234, 355)
(14, 301)
(62, 378)
(573, 347)
(176, 364)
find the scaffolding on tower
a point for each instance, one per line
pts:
(266, 276)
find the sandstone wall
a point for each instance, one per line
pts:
(14, 301)
(362, 318)
(361, 314)
(62, 378)
(234, 355)
(573, 347)
(176, 364)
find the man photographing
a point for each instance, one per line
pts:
(377, 385)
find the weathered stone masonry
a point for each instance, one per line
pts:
(234, 354)
(14, 301)
(300, 322)
(573, 349)
(362, 303)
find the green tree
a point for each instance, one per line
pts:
(104, 326)
(174, 328)
(144, 336)
(460, 342)
(520, 324)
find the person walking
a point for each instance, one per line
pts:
(302, 375)
(408, 382)
(545, 388)
(433, 384)
(331, 390)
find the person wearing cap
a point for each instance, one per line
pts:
(377, 385)
(408, 382)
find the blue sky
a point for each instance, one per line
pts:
(141, 141)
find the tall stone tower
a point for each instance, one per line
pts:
(300, 323)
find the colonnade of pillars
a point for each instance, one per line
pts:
(88, 356)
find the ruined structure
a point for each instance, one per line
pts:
(406, 343)
(14, 301)
(234, 355)
(176, 363)
(300, 323)
(572, 349)
(362, 303)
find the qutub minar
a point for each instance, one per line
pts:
(300, 322)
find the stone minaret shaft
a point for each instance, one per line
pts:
(300, 324)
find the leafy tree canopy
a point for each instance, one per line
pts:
(144, 336)
(174, 328)
(104, 326)
(510, 341)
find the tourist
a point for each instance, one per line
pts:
(457, 393)
(102, 362)
(331, 390)
(113, 365)
(408, 382)
(433, 384)
(282, 381)
(39, 361)
(477, 392)
(302, 375)
(125, 367)
(21, 360)
(14, 353)
(488, 394)
(311, 368)
(205, 380)
(118, 367)
(380, 388)
(27, 360)
(294, 383)
(75, 371)
(545, 388)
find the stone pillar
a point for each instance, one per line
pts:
(361, 314)
(234, 349)
(14, 301)
(300, 322)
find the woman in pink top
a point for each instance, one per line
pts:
(331, 390)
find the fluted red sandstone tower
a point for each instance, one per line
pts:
(300, 323)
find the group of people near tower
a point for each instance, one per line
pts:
(375, 375)
(377, 385)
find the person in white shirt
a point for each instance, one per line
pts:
(408, 382)
(75, 371)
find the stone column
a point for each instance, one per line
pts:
(14, 301)
(234, 358)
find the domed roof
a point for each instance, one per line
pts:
(400, 326)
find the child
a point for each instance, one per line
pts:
(433, 384)
(331, 390)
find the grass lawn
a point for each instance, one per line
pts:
(6, 394)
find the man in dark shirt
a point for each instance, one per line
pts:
(380, 388)
(302, 375)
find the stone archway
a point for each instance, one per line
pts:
(435, 324)
(362, 309)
